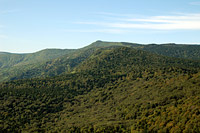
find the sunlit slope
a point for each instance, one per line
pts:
(55, 62)
(113, 90)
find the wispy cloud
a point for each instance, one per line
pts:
(196, 3)
(172, 22)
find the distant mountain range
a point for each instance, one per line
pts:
(52, 62)
(103, 87)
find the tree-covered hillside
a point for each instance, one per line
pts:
(9, 59)
(57, 66)
(15, 64)
(186, 51)
(116, 89)
(55, 62)
(175, 50)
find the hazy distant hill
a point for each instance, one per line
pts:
(10, 59)
(14, 64)
(115, 89)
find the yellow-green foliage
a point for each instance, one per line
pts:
(115, 90)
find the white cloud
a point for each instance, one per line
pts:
(173, 22)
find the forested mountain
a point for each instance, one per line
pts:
(10, 59)
(110, 89)
(57, 66)
(98, 44)
(175, 50)
(15, 64)
(169, 49)
(53, 62)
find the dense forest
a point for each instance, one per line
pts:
(107, 87)
(53, 62)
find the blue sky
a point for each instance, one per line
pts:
(32, 25)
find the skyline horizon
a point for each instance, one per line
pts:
(29, 26)
(56, 48)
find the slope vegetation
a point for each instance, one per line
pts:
(48, 63)
(112, 90)
(15, 64)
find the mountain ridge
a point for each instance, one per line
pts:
(98, 42)
(52, 62)
(114, 89)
